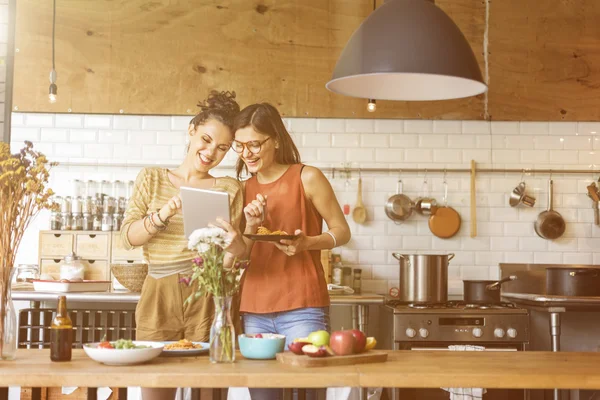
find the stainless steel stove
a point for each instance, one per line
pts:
(459, 323)
(436, 327)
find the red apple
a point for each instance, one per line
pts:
(342, 343)
(360, 341)
(296, 347)
(314, 351)
(258, 336)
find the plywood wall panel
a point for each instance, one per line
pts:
(545, 60)
(161, 57)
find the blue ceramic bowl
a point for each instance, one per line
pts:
(263, 348)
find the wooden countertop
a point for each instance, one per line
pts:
(534, 370)
(128, 297)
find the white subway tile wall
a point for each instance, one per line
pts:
(505, 234)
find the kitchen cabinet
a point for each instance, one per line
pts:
(99, 249)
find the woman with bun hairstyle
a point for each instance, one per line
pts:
(284, 288)
(153, 220)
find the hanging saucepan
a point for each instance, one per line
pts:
(399, 207)
(573, 281)
(484, 292)
(549, 224)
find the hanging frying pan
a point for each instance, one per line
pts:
(444, 221)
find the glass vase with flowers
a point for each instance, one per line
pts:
(216, 273)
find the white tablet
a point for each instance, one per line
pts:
(202, 207)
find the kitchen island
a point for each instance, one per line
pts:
(404, 369)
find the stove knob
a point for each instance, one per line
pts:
(423, 333)
(477, 332)
(411, 333)
(499, 333)
(512, 333)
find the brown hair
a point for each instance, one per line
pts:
(220, 106)
(265, 118)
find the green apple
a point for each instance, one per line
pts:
(319, 338)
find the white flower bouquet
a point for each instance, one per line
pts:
(222, 281)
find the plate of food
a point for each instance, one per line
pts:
(265, 235)
(184, 347)
(123, 351)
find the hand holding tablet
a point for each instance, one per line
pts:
(202, 207)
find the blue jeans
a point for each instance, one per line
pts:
(293, 324)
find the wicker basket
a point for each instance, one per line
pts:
(131, 276)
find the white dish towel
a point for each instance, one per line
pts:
(465, 393)
(344, 289)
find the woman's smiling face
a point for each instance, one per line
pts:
(209, 143)
(258, 149)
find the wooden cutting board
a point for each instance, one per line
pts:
(371, 356)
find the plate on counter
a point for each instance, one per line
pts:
(270, 238)
(183, 351)
(66, 287)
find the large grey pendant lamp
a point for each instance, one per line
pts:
(407, 50)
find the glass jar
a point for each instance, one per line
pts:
(88, 222)
(117, 220)
(122, 205)
(97, 222)
(66, 221)
(107, 222)
(27, 272)
(73, 267)
(77, 222)
(55, 224)
(356, 285)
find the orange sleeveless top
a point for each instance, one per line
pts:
(273, 281)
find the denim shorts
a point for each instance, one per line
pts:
(293, 324)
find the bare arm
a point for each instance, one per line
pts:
(320, 193)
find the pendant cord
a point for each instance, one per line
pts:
(53, 31)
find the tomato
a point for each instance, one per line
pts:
(105, 345)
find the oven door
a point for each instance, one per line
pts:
(434, 394)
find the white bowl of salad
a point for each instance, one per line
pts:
(123, 351)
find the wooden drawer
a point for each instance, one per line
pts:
(55, 244)
(97, 270)
(92, 246)
(119, 253)
(51, 267)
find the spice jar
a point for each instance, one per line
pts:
(55, 224)
(107, 222)
(73, 267)
(356, 285)
(97, 222)
(336, 275)
(117, 220)
(88, 222)
(66, 221)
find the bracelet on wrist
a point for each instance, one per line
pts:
(145, 227)
(165, 222)
(154, 224)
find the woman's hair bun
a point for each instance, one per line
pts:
(221, 102)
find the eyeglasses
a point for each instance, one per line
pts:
(253, 146)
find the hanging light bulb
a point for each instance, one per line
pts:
(371, 105)
(53, 90)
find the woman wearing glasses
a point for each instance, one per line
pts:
(284, 289)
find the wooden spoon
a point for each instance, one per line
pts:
(359, 215)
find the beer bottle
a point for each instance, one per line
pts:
(61, 333)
